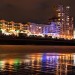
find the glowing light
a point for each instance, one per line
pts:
(59, 19)
(74, 59)
(68, 18)
(68, 7)
(10, 61)
(16, 61)
(39, 27)
(2, 64)
(26, 60)
(74, 34)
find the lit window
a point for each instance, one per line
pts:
(62, 14)
(67, 23)
(68, 18)
(68, 7)
(62, 19)
(59, 19)
(59, 15)
(39, 27)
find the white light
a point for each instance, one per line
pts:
(74, 34)
(39, 27)
(68, 7)
(74, 59)
(8, 33)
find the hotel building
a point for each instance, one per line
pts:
(63, 14)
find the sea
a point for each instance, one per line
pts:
(37, 60)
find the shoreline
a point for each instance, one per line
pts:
(36, 49)
(37, 41)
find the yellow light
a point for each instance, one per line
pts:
(59, 15)
(59, 19)
(11, 61)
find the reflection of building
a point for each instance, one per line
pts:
(50, 63)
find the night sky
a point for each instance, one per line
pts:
(38, 11)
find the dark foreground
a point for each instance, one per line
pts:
(37, 41)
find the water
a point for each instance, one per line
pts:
(37, 64)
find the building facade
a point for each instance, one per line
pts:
(63, 14)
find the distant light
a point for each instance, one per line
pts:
(8, 33)
(74, 59)
(39, 27)
(68, 7)
(74, 34)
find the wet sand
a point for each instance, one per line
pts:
(36, 49)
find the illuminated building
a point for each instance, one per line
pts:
(53, 29)
(1, 25)
(61, 28)
(66, 21)
(25, 28)
(35, 28)
(46, 29)
(17, 26)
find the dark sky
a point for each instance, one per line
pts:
(38, 11)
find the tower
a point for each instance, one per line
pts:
(61, 18)
(66, 22)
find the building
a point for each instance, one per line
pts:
(35, 28)
(52, 29)
(66, 21)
